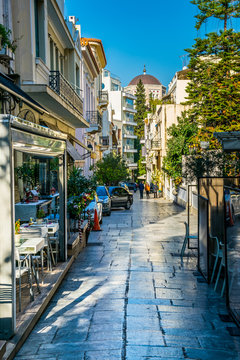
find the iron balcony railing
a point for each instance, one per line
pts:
(64, 89)
(94, 118)
(104, 140)
(103, 96)
(156, 143)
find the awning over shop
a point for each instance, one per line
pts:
(34, 138)
(73, 152)
(230, 140)
(8, 85)
(78, 142)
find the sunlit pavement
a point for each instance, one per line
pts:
(128, 296)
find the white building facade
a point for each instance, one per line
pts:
(156, 125)
(122, 108)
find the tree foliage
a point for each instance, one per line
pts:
(213, 92)
(153, 103)
(110, 170)
(214, 89)
(211, 163)
(178, 145)
(79, 184)
(141, 166)
(140, 105)
(218, 9)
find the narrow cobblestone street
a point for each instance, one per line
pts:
(127, 296)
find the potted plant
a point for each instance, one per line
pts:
(40, 215)
(17, 232)
(5, 39)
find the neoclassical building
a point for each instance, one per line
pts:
(151, 85)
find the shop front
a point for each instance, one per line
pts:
(33, 162)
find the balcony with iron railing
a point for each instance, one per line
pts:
(94, 118)
(65, 90)
(103, 99)
(103, 96)
(104, 141)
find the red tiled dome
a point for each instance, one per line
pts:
(146, 80)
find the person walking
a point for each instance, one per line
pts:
(141, 188)
(147, 189)
(155, 190)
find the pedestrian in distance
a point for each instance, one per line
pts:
(141, 188)
(155, 190)
(147, 189)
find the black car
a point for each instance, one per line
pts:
(120, 197)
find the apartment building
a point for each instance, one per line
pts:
(122, 106)
(156, 124)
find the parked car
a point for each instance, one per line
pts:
(105, 199)
(95, 204)
(129, 185)
(123, 184)
(132, 185)
(120, 197)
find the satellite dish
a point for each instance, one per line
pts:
(28, 115)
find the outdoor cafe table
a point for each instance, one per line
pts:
(47, 229)
(32, 247)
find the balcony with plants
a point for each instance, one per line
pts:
(7, 46)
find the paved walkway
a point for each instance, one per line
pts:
(127, 296)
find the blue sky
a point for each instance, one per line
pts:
(135, 33)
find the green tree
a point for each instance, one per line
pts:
(110, 170)
(153, 103)
(177, 145)
(140, 105)
(141, 166)
(213, 90)
(218, 9)
(78, 184)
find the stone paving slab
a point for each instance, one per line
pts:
(128, 296)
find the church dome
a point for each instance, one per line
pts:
(146, 79)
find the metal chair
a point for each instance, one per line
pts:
(217, 254)
(221, 266)
(21, 269)
(187, 238)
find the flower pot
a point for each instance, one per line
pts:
(17, 239)
(39, 221)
